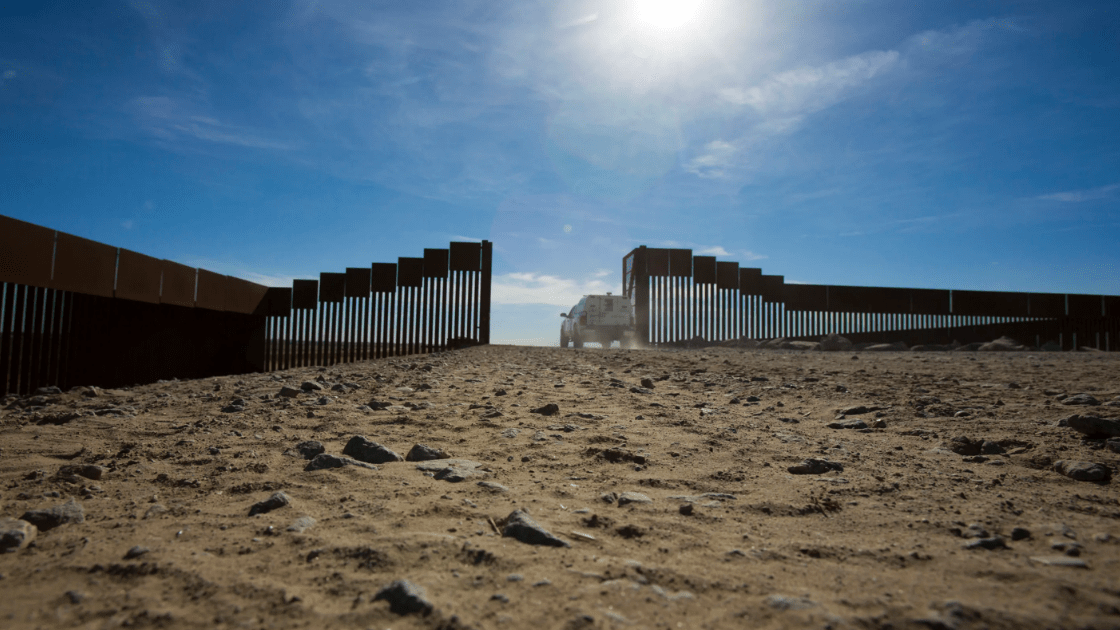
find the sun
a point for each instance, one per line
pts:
(666, 14)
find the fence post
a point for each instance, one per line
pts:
(484, 298)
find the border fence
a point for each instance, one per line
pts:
(78, 312)
(678, 297)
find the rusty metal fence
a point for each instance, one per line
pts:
(678, 297)
(414, 305)
(78, 312)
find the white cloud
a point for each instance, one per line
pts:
(749, 255)
(1077, 196)
(715, 160)
(172, 120)
(715, 250)
(785, 97)
(534, 288)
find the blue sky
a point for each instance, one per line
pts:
(967, 145)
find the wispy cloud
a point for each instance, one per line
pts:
(749, 255)
(786, 97)
(714, 161)
(534, 288)
(1078, 196)
(172, 120)
(714, 250)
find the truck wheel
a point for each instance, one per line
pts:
(563, 340)
(577, 340)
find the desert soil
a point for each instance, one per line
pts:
(731, 538)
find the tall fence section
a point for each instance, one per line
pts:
(78, 312)
(387, 309)
(678, 297)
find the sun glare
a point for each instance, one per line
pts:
(666, 13)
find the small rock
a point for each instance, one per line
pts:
(324, 461)
(89, 471)
(362, 449)
(421, 453)
(1081, 399)
(69, 512)
(879, 423)
(311, 386)
(15, 534)
(781, 602)
(856, 410)
(301, 524)
(1020, 533)
(647, 383)
(962, 445)
(989, 447)
(453, 470)
(276, 501)
(632, 497)
(975, 530)
(835, 343)
(309, 449)
(520, 526)
(492, 486)
(685, 509)
(1094, 427)
(405, 598)
(154, 510)
(815, 467)
(995, 542)
(288, 392)
(848, 424)
(640, 390)
(547, 410)
(1082, 471)
(135, 552)
(48, 391)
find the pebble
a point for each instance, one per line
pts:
(69, 512)
(89, 471)
(75, 597)
(405, 598)
(301, 524)
(309, 449)
(815, 467)
(1020, 533)
(632, 497)
(1060, 561)
(276, 501)
(640, 390)
(288, 392)
(15, 534)
(781, 602)
(362, 449)
(311, 386)
(135, 552)
(492, 486)
(324, 461)
(422, 453)
(995, 542)
(1094, 427)
(453, 470)
(1082, 471)
(647, 383)
(520, 526)
(848, 424)
(1081, 399)
(547, 410)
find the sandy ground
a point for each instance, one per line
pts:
(730, 539)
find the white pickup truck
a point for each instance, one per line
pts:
(602, 318)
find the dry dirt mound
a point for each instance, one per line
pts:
(688, 488)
